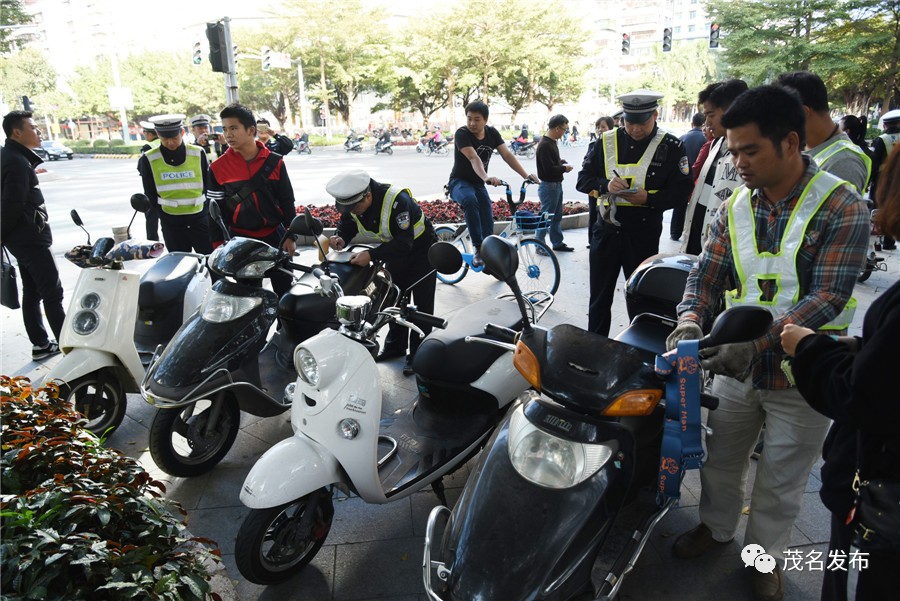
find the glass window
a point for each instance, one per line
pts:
(692, 14)
(691, 28)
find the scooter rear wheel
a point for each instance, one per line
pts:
(184, 443)
(269, 549)
(103, 405)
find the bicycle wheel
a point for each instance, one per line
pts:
(538, 267)
(445, 233)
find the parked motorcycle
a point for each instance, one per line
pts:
(303, 147)
(523, 149)
(116, 319)
(565, 495)
(353, 142)
(873, 261)
(341, 439)
(222, 361)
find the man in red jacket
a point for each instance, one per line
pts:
(251, 185)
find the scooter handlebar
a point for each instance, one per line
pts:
(427, 320)
(709, 401)
(501, 333)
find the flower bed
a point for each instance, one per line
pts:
(445, 211)
(81, 521)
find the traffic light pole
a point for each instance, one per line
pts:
(231, 86)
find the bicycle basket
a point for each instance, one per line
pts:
(528, 222)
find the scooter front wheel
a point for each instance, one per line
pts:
(191, 440)
(99, 397)
(270, 548)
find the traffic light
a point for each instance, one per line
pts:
(198, 54)
(626, 43)
(266, 58)
(714, 35)
(26, 104)
(667, 39)
(323, 113)
(218, 53)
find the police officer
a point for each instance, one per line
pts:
(200, 129)
(390, 214)
(152, 215)
(881, 150)
(640, 171)
(174, 176)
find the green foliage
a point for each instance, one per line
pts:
(26, 73)
(117, 142)
(11, 13)
(101, 143)
(81, 521)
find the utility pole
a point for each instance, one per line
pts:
(301, 88)
(325, 99)
(231, 86)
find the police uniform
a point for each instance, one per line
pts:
(656, 163)
(397, 221)
(881, 150)
(212, 151)
(152, 214)
(175, 182)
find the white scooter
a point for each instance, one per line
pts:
(341, 439)
(116, 319)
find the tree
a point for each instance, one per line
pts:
(26, 73)
(11, 14)
(276, 90)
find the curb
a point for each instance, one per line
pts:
(111, 156)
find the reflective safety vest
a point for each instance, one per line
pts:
(889, 141)
(753, 266)
(384, 227)
(634, 173)
(180, 187)
(825, 155)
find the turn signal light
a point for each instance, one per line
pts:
(634, 402)
(527, 364)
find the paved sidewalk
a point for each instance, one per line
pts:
(375, 552)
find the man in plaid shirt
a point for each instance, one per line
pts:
(792, 238)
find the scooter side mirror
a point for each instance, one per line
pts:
(216, 213)
(500, 257)
(76, 218)
(140, 203)
(306, 224)
(445, 257)
(738, 324)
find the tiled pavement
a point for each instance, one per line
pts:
(374, 552)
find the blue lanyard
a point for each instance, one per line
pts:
(681, 446)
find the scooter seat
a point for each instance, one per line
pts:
(167, 280)
(353, 278)
(648, 333)
(445, 355)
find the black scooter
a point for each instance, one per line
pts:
(569, 488)
(222, 360)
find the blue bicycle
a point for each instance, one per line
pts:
(538, 266)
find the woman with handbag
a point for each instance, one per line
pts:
(853, 381)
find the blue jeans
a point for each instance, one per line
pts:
(551, 195)
(476, 205)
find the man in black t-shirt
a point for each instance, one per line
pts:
(474, 145)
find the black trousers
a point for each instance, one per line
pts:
(593, 213)
(405, 274)
(152, 218)
(40, 283)
(676, 228)
(879, 576)
(615, 249)
(189, 235)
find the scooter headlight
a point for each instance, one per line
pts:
(85, 322)
(219, 308)
(257, 269)
(306, 366)
(551, 461)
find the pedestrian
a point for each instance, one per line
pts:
(851, 381)
(790, 239)
(390, 214)
(619, 118)
(273, 140)
(638, 171)
(603, 124)
(855, 128)
(882, 146)
(151, 216)
(474, 144)
(829, 147)
(717, 178)
(250, 183)
(174, 177)
(200, 130)
(26, 233)
(693, 141)
(550, 170)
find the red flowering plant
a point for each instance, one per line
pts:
(447, 211)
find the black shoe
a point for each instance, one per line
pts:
(407, 367)
(891, 246)
(387, 354)
(563, 248)
(39, 353)
(675, 238)
(476, 260)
